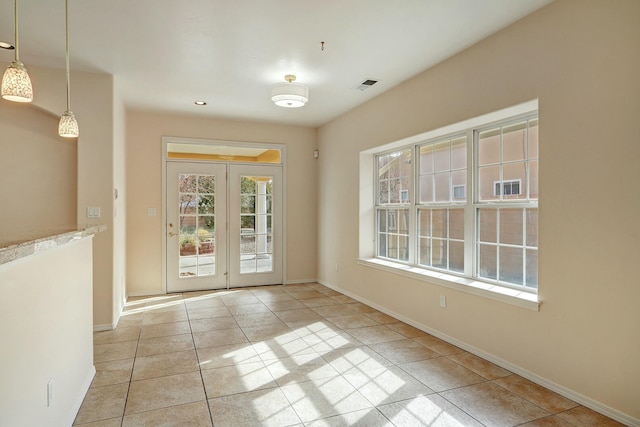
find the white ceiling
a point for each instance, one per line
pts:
(166, 54)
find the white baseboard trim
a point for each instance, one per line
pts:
(73, 413)
(297, 281)
(105, 327)
(144, 294)
(561, 390)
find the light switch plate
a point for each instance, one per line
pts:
(93, 212)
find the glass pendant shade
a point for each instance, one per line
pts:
(16, 84)
(68, 126)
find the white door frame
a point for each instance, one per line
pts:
(208, 142)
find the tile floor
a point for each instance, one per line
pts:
(299, 355)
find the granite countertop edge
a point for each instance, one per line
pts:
(16, 251)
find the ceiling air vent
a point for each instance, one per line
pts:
(366, 84)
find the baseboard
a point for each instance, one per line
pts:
(105, 327)
(561, 390)
(73, 413)
(298, 281)
(145, 294)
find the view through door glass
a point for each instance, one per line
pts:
(224, 225)
(256, 225)
(196, 233)
(197, 225)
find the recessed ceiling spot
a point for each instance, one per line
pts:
(6, 45)
(201, 103)
(366, 84)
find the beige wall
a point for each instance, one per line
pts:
(45, 312)
(92, 102)
(582, 61)
(38, 175)
(144, 189)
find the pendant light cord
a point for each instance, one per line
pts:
(66, 11)
(15, 13)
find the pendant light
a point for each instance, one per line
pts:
(68, 126)
(290, 95)
(16, 84)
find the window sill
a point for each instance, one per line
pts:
(487, 290)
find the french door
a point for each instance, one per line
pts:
(224, 225)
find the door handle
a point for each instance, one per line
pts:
(171, 234)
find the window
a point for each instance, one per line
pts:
(507, 188)
(394, 195)
(425, 216)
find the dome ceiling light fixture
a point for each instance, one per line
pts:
(290, 95)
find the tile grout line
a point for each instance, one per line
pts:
(195, 349)
(133, 367)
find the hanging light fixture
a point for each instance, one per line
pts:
(16, 84)
(68, 126)
(290, 95)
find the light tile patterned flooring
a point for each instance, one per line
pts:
(299, 355)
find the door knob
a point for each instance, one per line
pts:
(171, 234)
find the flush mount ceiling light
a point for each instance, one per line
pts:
(16, 84)
(68, 126)
(290, 95)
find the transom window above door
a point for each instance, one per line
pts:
(223, 153)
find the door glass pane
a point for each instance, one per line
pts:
(197, 225)
(206, 204)
(256, 232)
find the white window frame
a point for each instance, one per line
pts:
(501, 185)
(468, 282)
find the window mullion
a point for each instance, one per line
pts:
(524, 247)
(469, 209)
(413, 227)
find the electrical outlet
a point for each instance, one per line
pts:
(443, 301)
